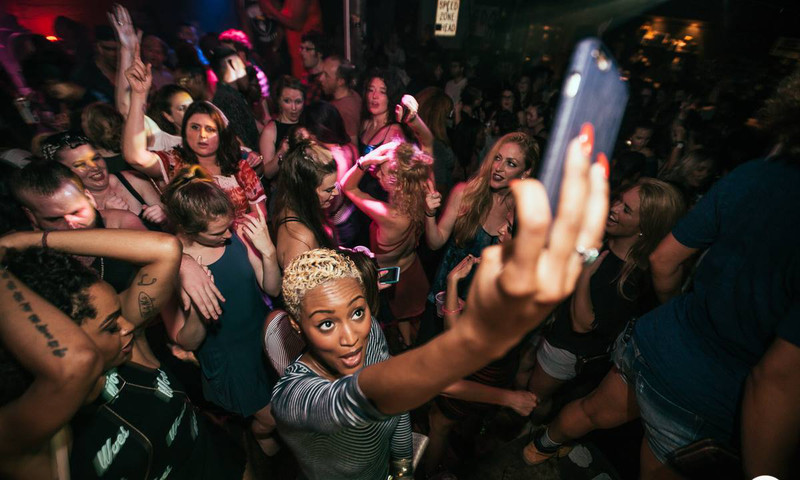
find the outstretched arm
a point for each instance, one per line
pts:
(375, 209)
(158, 255)
(516, 286)
(521, 401)
(121, 21)
(437, 233)
(62, 359)
(134, 137)
(421, 131)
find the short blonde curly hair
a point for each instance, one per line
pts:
(311, 269)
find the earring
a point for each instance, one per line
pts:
(640, 234)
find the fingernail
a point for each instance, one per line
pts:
(603, 162)
(587, 138)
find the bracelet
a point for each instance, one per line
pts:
(430, 215)
(44, 238)
(449, 312)
(359, 164)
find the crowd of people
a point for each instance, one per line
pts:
(165, 206)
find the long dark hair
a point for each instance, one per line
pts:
(161, 103)
(394, 92)
(324, 121)
(228, 153)
(301, 172)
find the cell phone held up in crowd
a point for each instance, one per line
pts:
(388, 275)
(593, 92)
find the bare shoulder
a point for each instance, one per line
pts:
(114, 218)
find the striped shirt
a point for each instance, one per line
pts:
(333, 429)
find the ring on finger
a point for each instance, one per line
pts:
(589, 255)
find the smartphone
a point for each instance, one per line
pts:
(406, 112)
(388, 275)
(593, 92)
(706, 458)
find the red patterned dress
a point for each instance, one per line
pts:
(243, 187)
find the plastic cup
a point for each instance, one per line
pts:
(439, 297)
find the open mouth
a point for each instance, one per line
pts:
(352, 359)
(497, 178)
(97, 176)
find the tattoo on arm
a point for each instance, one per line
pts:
(19, 298)
(146, 307)
(144, 281)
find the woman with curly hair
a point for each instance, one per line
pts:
(207, 140)
(306, 188)
(476, 211)
(405, 172)
(136, 395)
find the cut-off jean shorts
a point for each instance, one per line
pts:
(668, 426)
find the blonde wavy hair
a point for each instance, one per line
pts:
(311, 269)
(412, 168)
(661, 205)
(477, 200)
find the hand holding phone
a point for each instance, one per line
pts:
(388, 275)
(406, 111)
(593, 100)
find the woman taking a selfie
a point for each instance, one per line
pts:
(343, 395)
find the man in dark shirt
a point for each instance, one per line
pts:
(99, 75)
(312, 50)
(232, 74)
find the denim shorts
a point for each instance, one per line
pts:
(668, 426)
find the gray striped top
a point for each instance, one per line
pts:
(332, 428)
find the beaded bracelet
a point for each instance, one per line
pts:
(44, 238)
(450, 312)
